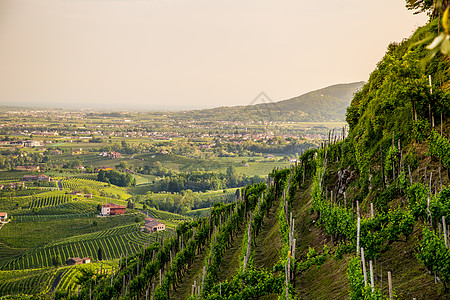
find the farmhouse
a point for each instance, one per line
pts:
(112, 209)
(3, 216)
(74, 261)
(152, 225)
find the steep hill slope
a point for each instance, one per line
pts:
(391, 172)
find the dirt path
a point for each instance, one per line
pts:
(268, 241)
(230, 260)
(185, 286)
(56, 281)
(329, 280)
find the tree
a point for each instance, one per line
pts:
(231, 170)
(123, 165)
(100, 254)
(130, 204)
(56, 260)
(421, 6)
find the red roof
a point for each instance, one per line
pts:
(2, 214)
(76, 259)
(113, 205)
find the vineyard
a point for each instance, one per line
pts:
(42, 218)
(69, 278)
(113, 242)
(158, 268)
(166, 216)
(347, 225)
(30, 282)
(78, 183)
(54, 200)
(70, 207)
(31, 198)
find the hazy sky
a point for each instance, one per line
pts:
(189, 53)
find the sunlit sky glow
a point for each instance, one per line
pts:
(155, 54)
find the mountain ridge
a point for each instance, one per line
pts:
(325, 104)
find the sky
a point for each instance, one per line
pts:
(178, 54)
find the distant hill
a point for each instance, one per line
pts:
(327, 104)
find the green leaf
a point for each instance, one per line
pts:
(445, 46)
(436, 42)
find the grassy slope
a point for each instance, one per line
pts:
(268, 241)
(329, 281)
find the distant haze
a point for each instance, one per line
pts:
(179, 54)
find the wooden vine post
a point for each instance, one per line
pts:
(429, 199)
(372, 283)
(363, 261)
(390, 285)
(358, 228)
(444, 227)
(382, 168)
